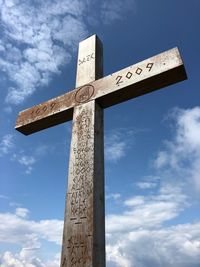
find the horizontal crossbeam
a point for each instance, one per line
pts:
(141, 78)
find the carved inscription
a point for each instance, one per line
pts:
(130, 74)
(149, 66)
(138, 71)
(86, 59)
(80, 195)
(78, 246)
(81, 188)
(78, 205)
(38, 111)
(119, 79)
(84, 93)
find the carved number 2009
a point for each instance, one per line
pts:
(129, 74)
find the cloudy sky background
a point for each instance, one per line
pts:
(152, 143)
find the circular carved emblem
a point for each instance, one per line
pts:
(84, 93)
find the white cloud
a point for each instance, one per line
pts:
(2, 48)
(26, 258)
(176, 246)
(146, 185)
(148, 211)
(34, 29)
(135, 237)
(25, 160)
(8, 147)
(161, 159)
(117, 256)
(21, 212)
(138, 236)
(9, 260)
(115, 196)
(16, 228)
(38, 39)
(6, 144)
(139, 246)
(181, 155)
(117, 143)
(115, 150)
(66, 31)
(135, 201)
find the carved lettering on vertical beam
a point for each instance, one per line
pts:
(80, 193)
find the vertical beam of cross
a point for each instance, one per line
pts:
(84, 225)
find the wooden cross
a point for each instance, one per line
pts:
(84, 223)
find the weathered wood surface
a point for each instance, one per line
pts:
(141, 78)
(90, 61)
(84, 223)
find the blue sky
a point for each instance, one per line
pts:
(152, 143)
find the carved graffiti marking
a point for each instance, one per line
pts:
(84, 93)
(78, 203)
(149, 66)
(52, 105)
(138, 71)
(86, 59)
(80, 192)
(43, 110)
(81, 187)
(78, 249)
(120, 79)
(129, 75)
